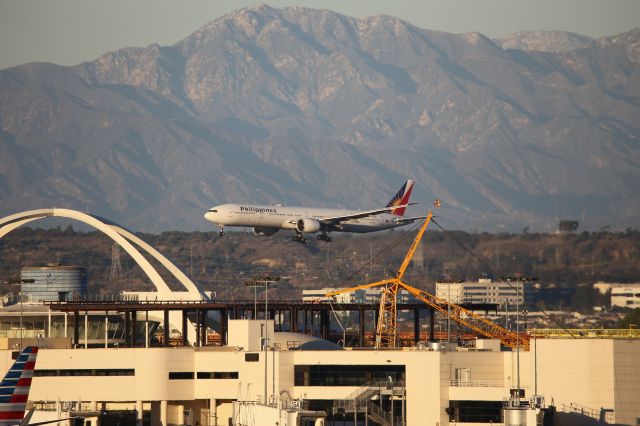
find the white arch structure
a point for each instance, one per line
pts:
(124, 238)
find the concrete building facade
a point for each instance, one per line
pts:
(485, 290)
(434, 387)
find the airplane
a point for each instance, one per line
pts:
(267, 220)
(14, 392)
(14, 388)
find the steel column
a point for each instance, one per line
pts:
(76, 328)
(362, 319)
(165, 330)
(185, 331)
(134, 327)
(224, 324)
(432, 324)
(203, 327)
(416, 325)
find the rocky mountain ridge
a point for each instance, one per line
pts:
(304, 106)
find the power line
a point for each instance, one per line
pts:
(494, 272)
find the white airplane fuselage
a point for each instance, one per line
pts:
(285, 217)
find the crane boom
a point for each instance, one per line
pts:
(414, 246)
(386, 334)
(470, 319)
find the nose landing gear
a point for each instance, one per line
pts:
(221, 231)
(299, 238)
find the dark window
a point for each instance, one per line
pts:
(475, 411)
(114, 372)
(225, 375)
(79, 372)
(181, 375)
(348, 375)
(252, 357)
(86, 372)
(45, 373)
(217, 375)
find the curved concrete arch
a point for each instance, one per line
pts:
(9, 223)
(175, 271)
(121, 236)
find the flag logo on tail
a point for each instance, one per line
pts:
(401, 198)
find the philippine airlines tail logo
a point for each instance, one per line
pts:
(401, 198)
(14, 388)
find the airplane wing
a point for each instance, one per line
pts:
(408, 219)
(337, 219)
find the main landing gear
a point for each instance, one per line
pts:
(324, 237)
(299, 238)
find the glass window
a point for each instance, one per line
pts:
(217, 375)
(475, 411)
(181, 375)
(86, 372)
(252, 357)
(348, 375)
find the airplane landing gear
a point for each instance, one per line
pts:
(324, 237)
(221, 231)
(299, 238)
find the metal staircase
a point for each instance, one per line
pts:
(363, 402)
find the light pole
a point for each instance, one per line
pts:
(20, 282)
(518, 332)
(266, 282)
(449, 312)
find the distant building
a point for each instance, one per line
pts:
(484, 290)
(623, 295)
(370, 295)
(53, 283)
(318, 295)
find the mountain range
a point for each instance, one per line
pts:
(305, 106)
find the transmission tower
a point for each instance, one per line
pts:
(116, 268)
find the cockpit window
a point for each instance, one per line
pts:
(213, 211)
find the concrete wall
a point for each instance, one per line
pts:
(589, 372)
(626, 377)
(578, 371)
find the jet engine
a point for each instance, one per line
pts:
(307, 225)
(263, 231)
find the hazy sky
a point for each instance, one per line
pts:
(71, 31)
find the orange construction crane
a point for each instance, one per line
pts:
(386, 331)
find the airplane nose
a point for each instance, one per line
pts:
(209, 216)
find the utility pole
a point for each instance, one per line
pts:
(115, 273)
(266, 282)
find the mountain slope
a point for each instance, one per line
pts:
(308, 106)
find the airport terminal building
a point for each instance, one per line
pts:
(110, 363)
(584, 379)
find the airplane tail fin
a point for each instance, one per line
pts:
(401, 198)
(15, 386)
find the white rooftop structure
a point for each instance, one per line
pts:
(623, 295)
(484, 290)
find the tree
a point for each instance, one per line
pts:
(583, 297)
(631, 319)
